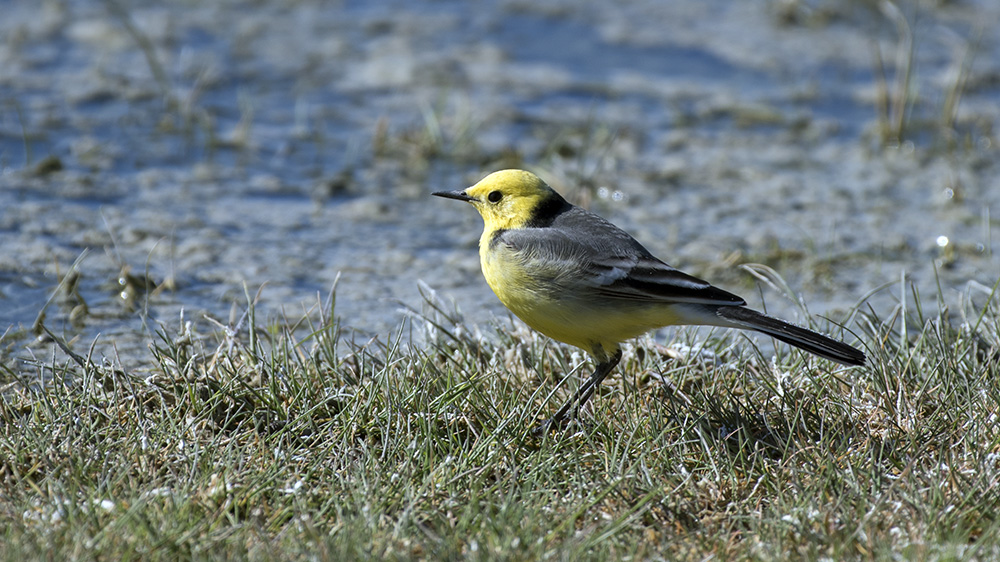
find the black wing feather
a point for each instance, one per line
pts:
(610, 261)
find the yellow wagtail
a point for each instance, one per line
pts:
(579, 279)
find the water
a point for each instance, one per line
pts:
(279, 145)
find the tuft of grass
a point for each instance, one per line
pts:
(899, 118)
(447, 130)
(283, 439)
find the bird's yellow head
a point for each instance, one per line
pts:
(509, 199)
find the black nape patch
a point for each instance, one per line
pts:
(495, 237)
(546, 212)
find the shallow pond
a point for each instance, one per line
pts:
(184, 155)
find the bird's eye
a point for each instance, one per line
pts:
(494, 196)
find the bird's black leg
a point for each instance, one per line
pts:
(586, 390)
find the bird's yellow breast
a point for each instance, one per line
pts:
(554, 301)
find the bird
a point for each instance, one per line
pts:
(575, 277)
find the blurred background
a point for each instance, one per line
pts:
(162, 161)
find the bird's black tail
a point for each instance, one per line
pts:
(818, 344)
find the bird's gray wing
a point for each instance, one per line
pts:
(582, 252)
(650, 280)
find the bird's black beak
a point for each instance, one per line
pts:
(457, 194)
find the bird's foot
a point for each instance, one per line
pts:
(551, 424)
(558, 425)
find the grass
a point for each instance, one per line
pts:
(277, 440)
(899, 121)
